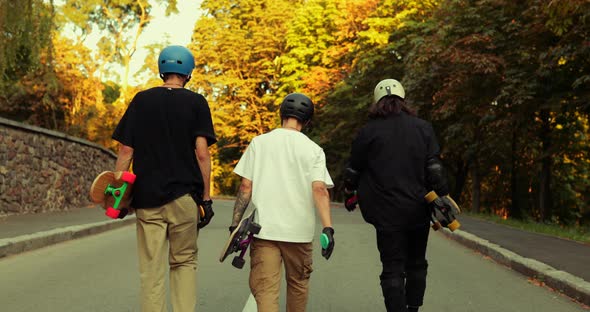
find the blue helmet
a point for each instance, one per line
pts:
(176, 59)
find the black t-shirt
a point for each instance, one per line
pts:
(391, 154)
(161, 125)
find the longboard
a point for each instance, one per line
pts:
(113, 191)
(443, 216)
(240, 239)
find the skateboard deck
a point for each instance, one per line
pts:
(444, 217)
(240, 239)
(113, 191)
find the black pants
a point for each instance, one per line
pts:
(403, 255)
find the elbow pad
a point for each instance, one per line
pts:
(436, 178)
(351, 179)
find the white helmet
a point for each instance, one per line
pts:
(388, 87)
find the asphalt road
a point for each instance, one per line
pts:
(99, 273)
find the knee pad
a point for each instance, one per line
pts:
(416, 284)
(393, 283)
(394, 293)
(393, 289)
(417, 269)
(416, 275)
(392, 270)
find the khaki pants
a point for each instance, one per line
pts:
(168, 230)
(265, 273)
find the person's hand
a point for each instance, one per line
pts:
(206, 213)
(232, 228)
(327, 242)
(350, 200)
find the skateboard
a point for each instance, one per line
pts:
(443, 213)
(240, 239)
(113, 191)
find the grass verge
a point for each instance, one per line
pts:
(576, 233)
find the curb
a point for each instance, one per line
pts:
(23, 243)
(566, 283)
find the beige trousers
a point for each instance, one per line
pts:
(168, 230)
(265, 273)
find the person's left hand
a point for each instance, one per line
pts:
(205, 213)
(327, 250)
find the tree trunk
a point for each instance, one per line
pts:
(460, 178)
(125, 83)
(516, 204)
(545, 205)
(475, 188)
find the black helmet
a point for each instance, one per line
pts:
(298, 106)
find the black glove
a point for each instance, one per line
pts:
(350, 200)
(205, 213)
(232, 228)
(351, 178)
(329, 234)
(123, 212)
(436, 176)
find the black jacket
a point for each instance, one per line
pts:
(390, 155)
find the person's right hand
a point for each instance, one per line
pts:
(206, 213)
(350, 200)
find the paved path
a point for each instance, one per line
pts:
(559, 263)
(99, 273)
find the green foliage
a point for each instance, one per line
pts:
(111, 92)
(503, 80)
(25, 32)
(576, 232)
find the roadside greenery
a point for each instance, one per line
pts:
(573, 232)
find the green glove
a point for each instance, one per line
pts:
(327, 242)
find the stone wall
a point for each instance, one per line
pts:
(43, 170)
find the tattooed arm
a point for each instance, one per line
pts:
(242, 201)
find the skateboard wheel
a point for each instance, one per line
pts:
(454, 225)
(128, 177)
(431, 196)
(112, 213)
(255, 228)
(238, 262)
(436, 226)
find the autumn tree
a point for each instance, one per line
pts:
(236, 45)
(365, 32)
(25, 32)
(497, 83)
(456, 72)
(121, 23)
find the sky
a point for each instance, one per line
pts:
(175, 29)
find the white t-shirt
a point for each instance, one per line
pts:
(282, 164)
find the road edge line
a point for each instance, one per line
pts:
(563, 282)
(28, 242)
